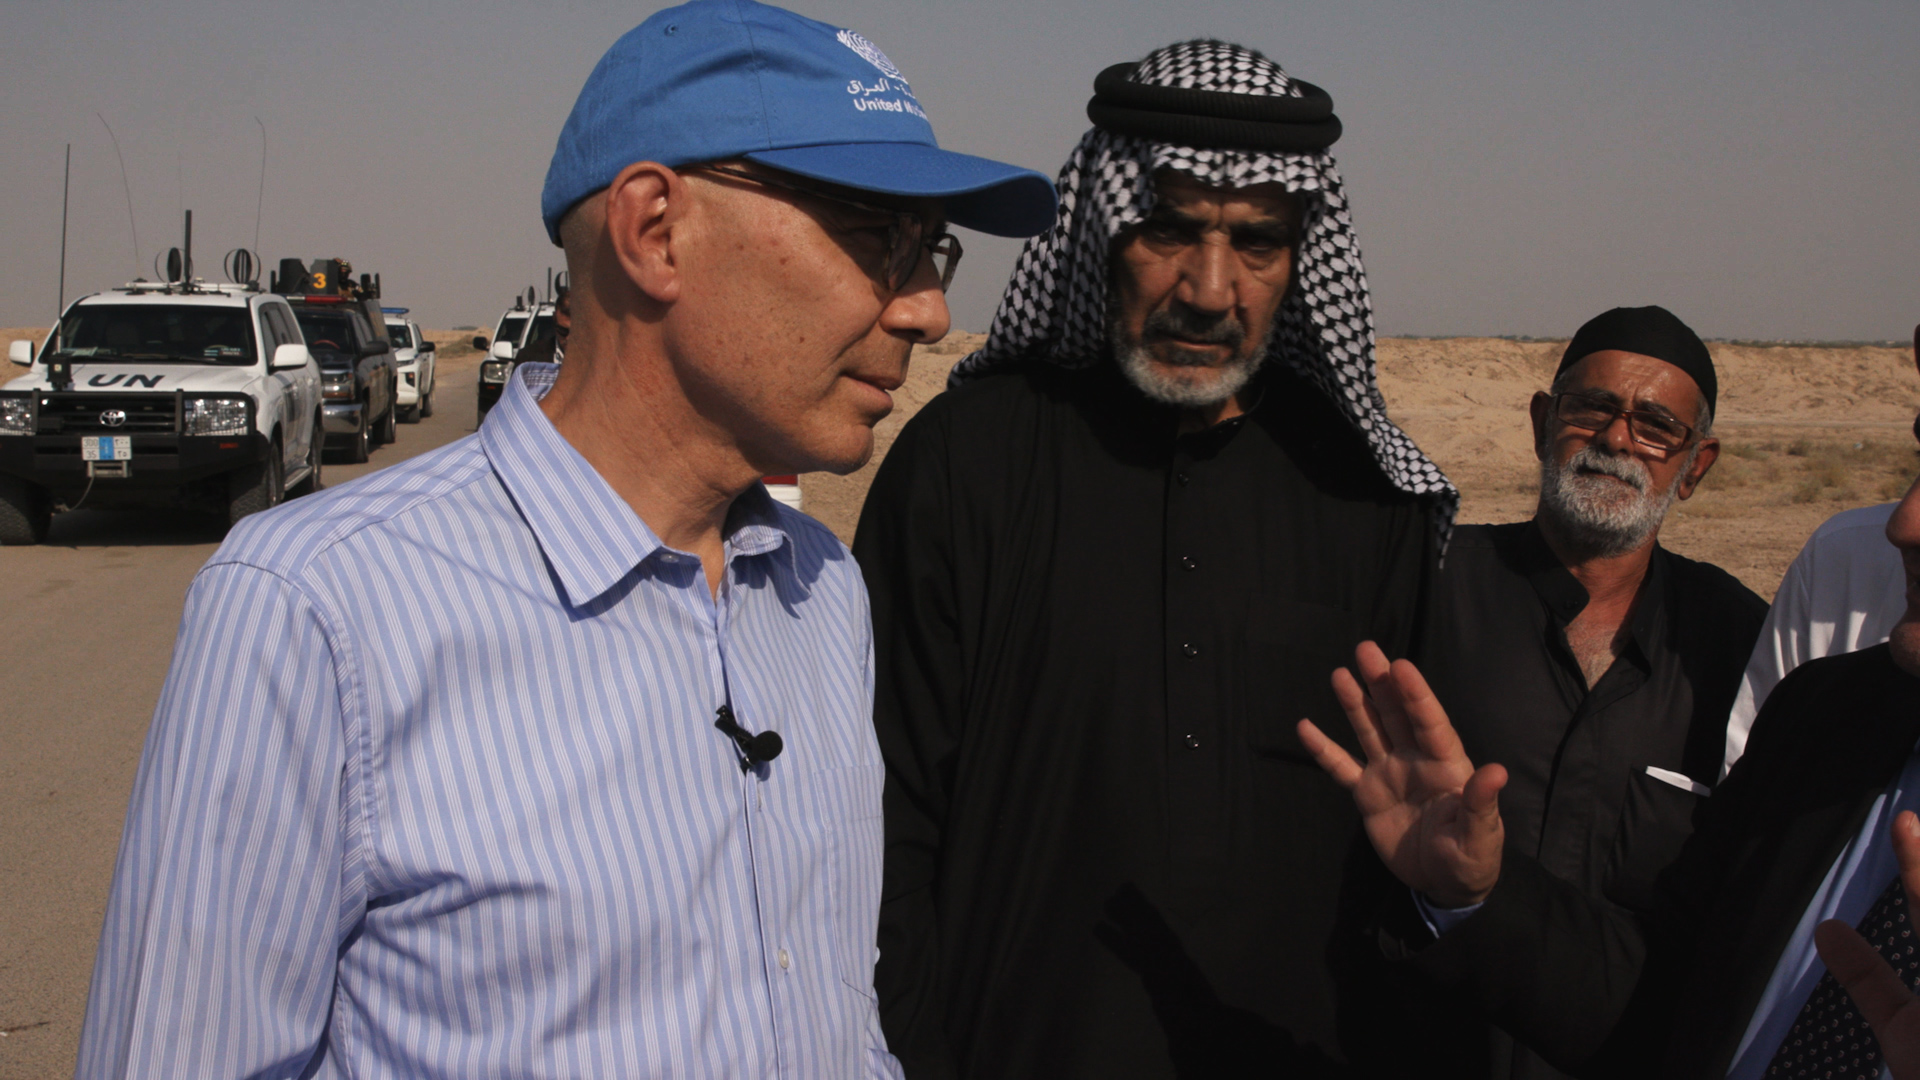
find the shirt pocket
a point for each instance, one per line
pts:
(850, 811)
(1289, 664)
(1656, 817)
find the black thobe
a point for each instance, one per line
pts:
(1108, 854)
(1579, 800)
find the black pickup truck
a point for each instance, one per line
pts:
(347, 335)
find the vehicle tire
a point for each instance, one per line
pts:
(426, 404)
(316, 452)
(361, 448)
(259, 486)
(410, 415)
(25, 511)
(388, 432)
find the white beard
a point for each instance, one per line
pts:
(1598, 516)
(1191, 386)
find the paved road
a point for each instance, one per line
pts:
(89, 624)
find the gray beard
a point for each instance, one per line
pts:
(1147, 374)
(1596, 516)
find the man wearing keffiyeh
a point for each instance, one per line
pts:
(1109, 569)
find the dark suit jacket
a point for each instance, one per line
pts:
(1602, 993)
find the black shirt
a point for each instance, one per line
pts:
(1107, 853)
(1579, 800)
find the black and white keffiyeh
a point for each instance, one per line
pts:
(1054, 308)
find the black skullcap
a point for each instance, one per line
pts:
(1650, 331)
(1272, 119)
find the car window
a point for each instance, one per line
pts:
(279, 327)
(399, 335)
(542, 327)
(110, 332)
(362, 327)
(510, 327)
(328, 332)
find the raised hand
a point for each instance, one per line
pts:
(1433, 818)
(1883, 1000)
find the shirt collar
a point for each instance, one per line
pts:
(1566, 598)
(588, 533)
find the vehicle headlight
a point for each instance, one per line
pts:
(337, 385)
(16, 415)
(214, 416)
(495, 370)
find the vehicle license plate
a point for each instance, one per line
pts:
(106, 447)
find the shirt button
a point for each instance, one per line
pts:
(1189, 650)
(1187, 563)
(785, 961)
(1192, 741)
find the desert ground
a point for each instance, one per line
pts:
(1806, 431)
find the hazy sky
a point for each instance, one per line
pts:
(1514, 167)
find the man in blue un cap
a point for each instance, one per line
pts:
(549, 753)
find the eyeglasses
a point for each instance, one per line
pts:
(1654, 430)
(906, 236)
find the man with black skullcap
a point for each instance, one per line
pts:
(1108, 569)
(1593, 663)
(1779, 943)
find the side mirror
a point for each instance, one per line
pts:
(427, 346)
(480, 342)
(21, 352)
(502, 350)
(373, 348)
(289, 356)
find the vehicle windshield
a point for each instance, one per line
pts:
(542, 327)
(199, 335)
(510, 328)
(329, 334)
(399, 335)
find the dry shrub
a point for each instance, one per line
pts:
(1799, 448)
(1830, 472)
(1730, 474)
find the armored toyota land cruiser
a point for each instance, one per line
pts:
(347, 334)
(179, 393)
(519, 327)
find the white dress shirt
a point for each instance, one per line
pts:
(1843, 593)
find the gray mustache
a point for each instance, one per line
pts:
(1180, 321)
(1619, 468)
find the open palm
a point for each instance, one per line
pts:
(1432, 817)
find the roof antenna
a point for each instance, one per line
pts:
(66, 184)
(261, 197)
(126, 187)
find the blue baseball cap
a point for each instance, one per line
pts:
(718, 79)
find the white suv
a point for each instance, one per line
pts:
(413, 361)
(519, 326)
(182, 393)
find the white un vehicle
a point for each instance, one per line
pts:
(179, 393)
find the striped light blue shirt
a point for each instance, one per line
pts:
(433, 790)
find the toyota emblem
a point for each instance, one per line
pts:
(113, 418)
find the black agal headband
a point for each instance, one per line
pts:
(1213, 118)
